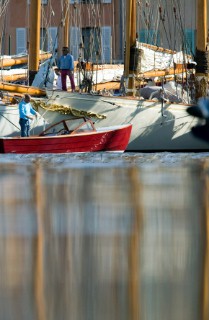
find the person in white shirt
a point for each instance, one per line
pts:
(58, 80)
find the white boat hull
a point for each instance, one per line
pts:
(9, 122)
(153, 130)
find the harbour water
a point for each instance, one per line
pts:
(104, 236)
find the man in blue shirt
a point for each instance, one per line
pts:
(66, 66)
(27, 114)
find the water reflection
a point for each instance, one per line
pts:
(104, 243)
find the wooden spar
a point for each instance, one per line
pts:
(202, 32)
(202, 28)
(34, 43)
(139, 80)
(13, 77)
(131, 82)
(22, 89)
(161, 73)
(127, 43)
(63, 39)
(9, 62)
(157, 49)
(130, 42)
(66, 24)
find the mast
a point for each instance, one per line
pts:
(64, 27)
(66, 24)
(130, 43)
(127, 42)
(202, 57)
(34, 38)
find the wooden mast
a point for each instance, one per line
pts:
(201, 50)
(127, 43)
(66, 24)
(34, 38)
(63, 38)
(131, 82)
(202, 25)
(130, 42)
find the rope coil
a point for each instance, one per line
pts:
(66, 110)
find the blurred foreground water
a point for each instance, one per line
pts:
(104, 237)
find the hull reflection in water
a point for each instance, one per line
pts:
(103, 243)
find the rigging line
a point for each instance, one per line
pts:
(3, 31)
(9, 121)
(50, 62)
(92, 30)
(142, 16)
(112, 24)
(138, 5)
(99, 27)
(47, 22)
(2, 38)
(175, 24)
(162, 19)
(3, 14)
(187, 44)
(171, 24)
(100, 34)
(91, 23)
(149, 19)
(92, 12)
(79, 16)
(168, 14)
(158, 29)
(99, 30)
(145, 19)
(42, 31)
(184, 42)
(4, 7)
(65, 14)
(44, 26)
(180, 16)
(74, 13)
(192, 21)
(153, 33)
(49, 12)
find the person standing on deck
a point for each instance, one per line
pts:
(27, 114)
(58, 80)
(66, 66)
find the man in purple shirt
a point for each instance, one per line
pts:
(66, 66)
